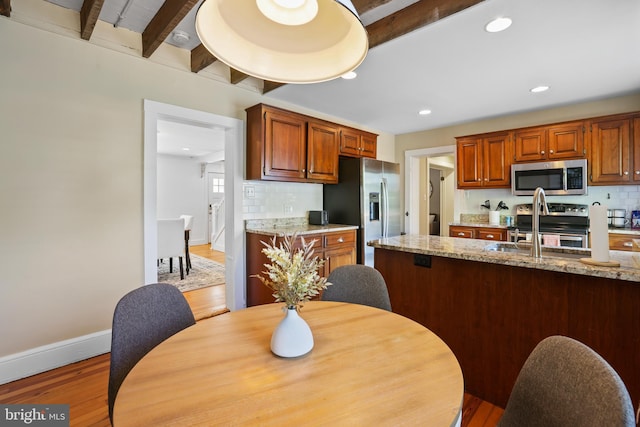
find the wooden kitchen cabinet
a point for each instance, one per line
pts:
(484, 233)
(357, 143)
(337, 248)
(483, 161)
(621, 241)
(555, 142)
(611, 151)
(286, 146)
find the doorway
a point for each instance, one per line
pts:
(419, 165)
(233, 173)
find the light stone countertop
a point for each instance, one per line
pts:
(477, 250)
(288, 226)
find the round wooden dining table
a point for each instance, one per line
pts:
(367, 367)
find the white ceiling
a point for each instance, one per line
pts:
(190, 140)
(583, 49)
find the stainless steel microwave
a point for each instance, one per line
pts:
(563, 177)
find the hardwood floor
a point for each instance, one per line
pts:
(83, 385)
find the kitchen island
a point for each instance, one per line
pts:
(492, 307)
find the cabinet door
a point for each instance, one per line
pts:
(530, 145)
(285, 145)
(566, 141)
(349, 142)
(610, 143)
(369, 144)
(621, 242)
(322, 152)
(469, 167)
(636, 149)
(497, 161)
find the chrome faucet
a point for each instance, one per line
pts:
(539, 201)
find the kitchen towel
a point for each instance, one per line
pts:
(551, 240)
(599, 233)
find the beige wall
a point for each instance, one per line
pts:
(71, 169)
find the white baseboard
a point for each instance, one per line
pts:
(40, 359)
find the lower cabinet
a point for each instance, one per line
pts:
(484, 233)
(336, 248)
(622, 242)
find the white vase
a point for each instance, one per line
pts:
(292, 337)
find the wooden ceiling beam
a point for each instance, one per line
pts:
(201, 58)
(363, 6)
(5, 8)
(268, 86)
(417, 15)
(163, 23)
(237, 76)
(89, 14)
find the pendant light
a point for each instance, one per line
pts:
(285, 41)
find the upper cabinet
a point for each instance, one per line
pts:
(286, 146)
(554, 142)
(484, 161)
(615, 149)
(357, 143)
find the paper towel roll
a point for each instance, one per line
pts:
(599, 233)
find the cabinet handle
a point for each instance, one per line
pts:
(489, 236)
(626, 172)
(550, 151)
(304, 170)
(627, 244)
(340, 240)
(542, 152)
(637, 172)
(460, 233)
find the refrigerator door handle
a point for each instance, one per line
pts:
(385, 209)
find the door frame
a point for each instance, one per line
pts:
(234, 160)
(412, 182)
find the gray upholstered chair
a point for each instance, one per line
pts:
(142, 319)
(358, 284)
(565, 383)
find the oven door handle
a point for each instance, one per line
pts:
(571, 238)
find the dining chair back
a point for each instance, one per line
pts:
(358, 284)
(142, 319)
(171, 241)
(565, 383)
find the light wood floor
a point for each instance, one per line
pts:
(83, 385)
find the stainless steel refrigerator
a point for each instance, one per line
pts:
(367, 195)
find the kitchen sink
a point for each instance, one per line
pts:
(523, 248)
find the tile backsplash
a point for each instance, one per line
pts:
(265, 199)
(614, 197)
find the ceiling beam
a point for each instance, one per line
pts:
(268, 86)
(417, 15)
(163, 23)
(201, 58)
(237, 76)
(363, 6)
(5, 8)
(89, 14)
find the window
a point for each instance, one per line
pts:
(218, 185)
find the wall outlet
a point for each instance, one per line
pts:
(249, 191)
(288, 209)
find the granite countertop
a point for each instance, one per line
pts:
(477, 250)
(476, 224)
(625, 230)
(286, 226)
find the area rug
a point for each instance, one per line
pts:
(203, 273)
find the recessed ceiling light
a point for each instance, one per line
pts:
(498, 24)
(538, 89)
(185, 149)
(424, 112)
(350, 75)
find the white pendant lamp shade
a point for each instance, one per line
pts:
(286, 41)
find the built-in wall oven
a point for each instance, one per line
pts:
(568, 224)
